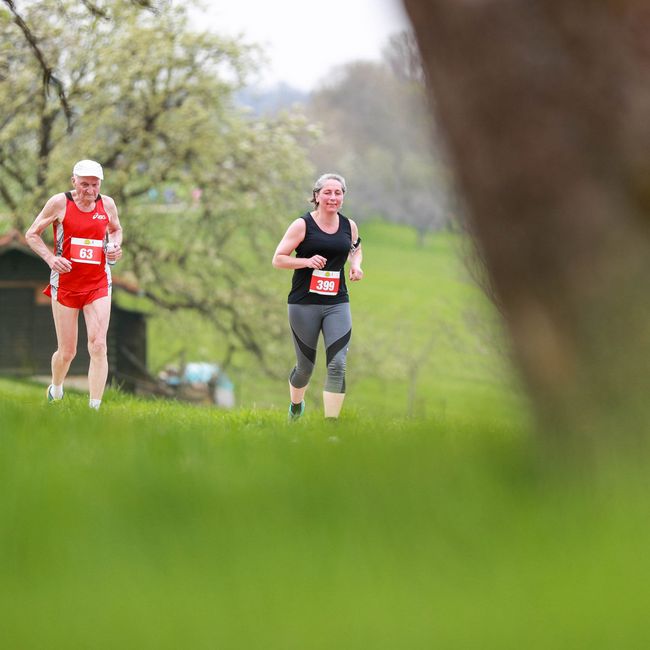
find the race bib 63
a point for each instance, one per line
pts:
(86, 251)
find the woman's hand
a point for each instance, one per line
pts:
(356, 274)
(316, 262)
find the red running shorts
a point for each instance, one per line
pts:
(76, 299)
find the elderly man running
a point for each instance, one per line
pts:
(87, 237)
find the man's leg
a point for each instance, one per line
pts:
(65, 324)
(97, 315)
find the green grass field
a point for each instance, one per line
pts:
(426, 342)
(425, 518)
(162, 525)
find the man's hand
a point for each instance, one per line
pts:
(60, 264)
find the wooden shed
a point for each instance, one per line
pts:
(27, 337)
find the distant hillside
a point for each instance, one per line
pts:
(268, 101)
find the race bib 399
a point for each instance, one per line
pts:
(326, 283)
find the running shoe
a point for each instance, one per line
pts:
(296, 415)
(50, 397)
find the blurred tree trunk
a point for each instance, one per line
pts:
(545, 107)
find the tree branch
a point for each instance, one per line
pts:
(48, 73)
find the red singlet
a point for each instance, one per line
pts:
(80, 239)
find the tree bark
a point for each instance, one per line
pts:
(544, 106)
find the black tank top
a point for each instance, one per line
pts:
(335, 248)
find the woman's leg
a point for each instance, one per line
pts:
(305, 322)
(337, 330)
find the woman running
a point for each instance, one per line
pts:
(323, 241)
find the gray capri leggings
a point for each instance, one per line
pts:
(306, 323)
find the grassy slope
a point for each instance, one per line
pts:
(415, 305)
(161, 525)
(418, 305)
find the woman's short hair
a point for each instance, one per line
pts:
(318, 185)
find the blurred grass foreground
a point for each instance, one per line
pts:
(162, 525)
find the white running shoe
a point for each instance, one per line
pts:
(50, 396)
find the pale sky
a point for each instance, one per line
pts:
(305, 39)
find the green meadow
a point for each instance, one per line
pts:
(427, 517)
(162, 525)
(425, 342)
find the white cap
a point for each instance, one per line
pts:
(88, 168)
